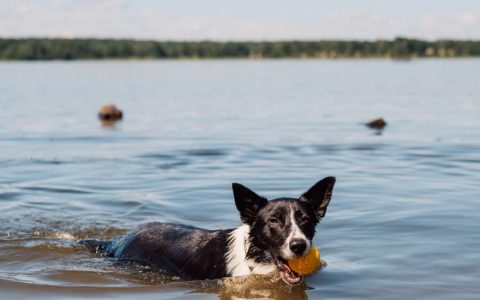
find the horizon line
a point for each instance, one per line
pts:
(235, 40)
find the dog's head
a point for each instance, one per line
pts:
(283, 228)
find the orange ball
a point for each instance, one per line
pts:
(306, 264)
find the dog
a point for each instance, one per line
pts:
(272, 232)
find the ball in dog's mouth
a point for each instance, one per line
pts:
(287, 274)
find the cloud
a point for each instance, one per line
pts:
(22, 8)
(466, 18)
(430, 22)
(434, 25)
(109, 5)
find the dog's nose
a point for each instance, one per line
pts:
(298, 246)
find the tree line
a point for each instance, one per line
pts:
(70, 49)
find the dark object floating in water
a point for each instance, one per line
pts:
(110, 112)
(377, 123)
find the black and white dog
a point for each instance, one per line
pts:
(272, 233)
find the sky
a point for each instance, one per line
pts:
(241, 20)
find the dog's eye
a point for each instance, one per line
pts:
(273, 221)
(304, 219)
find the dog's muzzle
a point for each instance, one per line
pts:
(288, 275)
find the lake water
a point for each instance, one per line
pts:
(404, 221)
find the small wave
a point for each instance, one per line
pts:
(173, 165)
(158, 156)
(207, 152)
(366, 147)
(55, 190)
(9, 195)
(63, 236)
(48, 161)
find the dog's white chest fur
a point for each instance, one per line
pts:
(237, 262)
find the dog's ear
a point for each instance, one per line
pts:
(319, 195)
(248, 203)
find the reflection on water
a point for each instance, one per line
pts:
(402, 223)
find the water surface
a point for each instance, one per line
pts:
(403, 223)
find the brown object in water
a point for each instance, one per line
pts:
(110, 112)
(377, 123)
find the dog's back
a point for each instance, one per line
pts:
(184, 251)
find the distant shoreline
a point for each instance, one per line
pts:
(118, 49)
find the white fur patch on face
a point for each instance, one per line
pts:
(237, 252)
(295, 233)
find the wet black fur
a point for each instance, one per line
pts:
(195, 253)
(181, 250)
